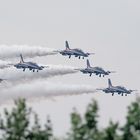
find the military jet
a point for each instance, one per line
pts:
(116, 89)
(75, 52)
(94, 70)
(28, 65)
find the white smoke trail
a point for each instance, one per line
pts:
(14, 75)
(42, 89)
(5, 64)
(13, 51)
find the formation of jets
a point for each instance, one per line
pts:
(98, 71)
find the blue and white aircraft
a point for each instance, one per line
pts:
(94, 70)
(28, 65)
(116, 89)
(75, 52)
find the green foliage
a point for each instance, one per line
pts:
(37, 133)
(16, 125)
(85, 129)
(76, 122)
(91, 116)
(131, 130)
(110, 133)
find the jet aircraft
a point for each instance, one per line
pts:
(28, 65)
(116, 89)
(94, 70)
(75, 52)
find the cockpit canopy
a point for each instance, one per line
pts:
(121, 87)
(79, 50)
(32, 63)
(99, 68)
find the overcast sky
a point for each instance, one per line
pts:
(111, 29)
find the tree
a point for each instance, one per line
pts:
(76, 129)
(16, 125)
(131, 130)
(86, 128)
(110, 133)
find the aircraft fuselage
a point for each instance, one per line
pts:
(94, 70)
(117, 89)
(76, 52)
(28, 65)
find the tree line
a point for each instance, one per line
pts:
(17, 125)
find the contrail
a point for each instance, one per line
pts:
(27, 51)
(5, 64)
(41, 89)
(16, 75)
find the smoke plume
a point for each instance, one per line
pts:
(5, 64)
(42, 89)
(27, 51)
(17, 75)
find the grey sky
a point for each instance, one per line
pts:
(108, 28)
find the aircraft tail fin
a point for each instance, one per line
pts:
(109, 83)
(21, 59)
(88, 64)
(67, 45)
